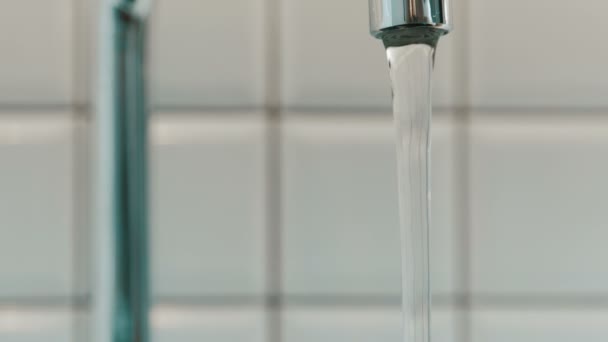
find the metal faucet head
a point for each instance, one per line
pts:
(390, 16)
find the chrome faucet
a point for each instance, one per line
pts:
(410, 30)
(402, 22)
(120, 286)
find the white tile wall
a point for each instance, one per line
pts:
(208, 179)
(538, 204)
(82, 203)
(208, 53)
(36, 325)
(330, 60)
(36, 40)
(357, 325)
(537, 192)
(341, 227)
(36, 205)
(445, 245)
(85, 39)
(217, 325)
(526, 54)
(539, 326)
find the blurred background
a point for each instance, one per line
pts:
(273, 179)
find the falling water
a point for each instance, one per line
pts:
(411, 67)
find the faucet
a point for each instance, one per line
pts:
(410, 30)
(404, 22)
(120, 287)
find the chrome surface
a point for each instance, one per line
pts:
(390, 15)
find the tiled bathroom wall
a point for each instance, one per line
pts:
(273, 184)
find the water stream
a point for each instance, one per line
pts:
(411, 69)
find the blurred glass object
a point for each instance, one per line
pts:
(120, 294)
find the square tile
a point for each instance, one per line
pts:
(357, 325)
(36, 39)
(208, 204)
(208, 53)
(544, 64)
(538, 210)
(179, 324)
(86, 32)
(82, 325)
(36, 325)
(340, 206)
(329, 58)
(83, 203)
(36, 205)
(539, 326)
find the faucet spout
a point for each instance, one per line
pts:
(399, 21)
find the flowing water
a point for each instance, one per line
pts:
(411, 69)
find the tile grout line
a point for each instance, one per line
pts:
(75, 215)
(80, 52)
(272, 59)
(78, 179)
(502, 302)
(82, 206)
(462, 152)
(274, 264)
(463, 169)
(556, 113)
(81, 200)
